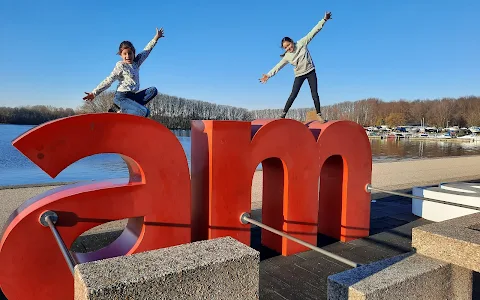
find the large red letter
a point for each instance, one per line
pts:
(346, 160)
(225, 155)
(156, 198)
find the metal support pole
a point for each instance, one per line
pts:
(48, 219)
(369, 188)
(245, 219)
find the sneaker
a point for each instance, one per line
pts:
(320, 118)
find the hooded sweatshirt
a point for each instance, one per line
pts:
(300, 58)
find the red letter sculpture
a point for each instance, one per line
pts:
(226, 156)
(346, 164)
(314, 178)
(156, 198)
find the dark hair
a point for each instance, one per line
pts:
(125, 45)
(285, 39)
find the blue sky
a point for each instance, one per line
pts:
(53, 51)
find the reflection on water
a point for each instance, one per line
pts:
(393, 150)
(16, 169)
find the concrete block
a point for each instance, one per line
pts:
(456, 241)
(220, 268)
(407, 276)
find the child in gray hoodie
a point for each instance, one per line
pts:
(298, 55)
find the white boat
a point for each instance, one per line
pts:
(474, 129)
(453, 129)
(443, 136)
(471, 137)
(431, 129)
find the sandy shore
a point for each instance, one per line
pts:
(388, 175)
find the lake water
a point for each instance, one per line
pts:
(16, 169)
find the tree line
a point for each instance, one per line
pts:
(462, 111)
(33, 115)
(176, 112)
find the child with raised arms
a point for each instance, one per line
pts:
(297, 54)
(128, 96)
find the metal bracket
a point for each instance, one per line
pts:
(242, 218)
(368, 188)
(48, 214)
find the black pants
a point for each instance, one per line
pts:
(297, 84)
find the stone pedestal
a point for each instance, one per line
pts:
(221, 268)
(456, 241)
(442, 267)
(408, 276)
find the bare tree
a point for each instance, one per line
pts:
(101, 103)
(176, 112)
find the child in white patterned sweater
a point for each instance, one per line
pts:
(128, 98)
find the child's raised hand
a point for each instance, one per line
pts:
(89, 97)
(159, 33)
(328, 15)
(264, 78)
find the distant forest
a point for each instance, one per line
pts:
(176, 112)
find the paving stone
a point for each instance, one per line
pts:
(269, 284)
(366, 254)
(394, 240)
(408, 217)
(389, 241)
(407, 228)
(271, 287)
(301, 281)
(382, 245)
(378, 213)
(322, 267)
(272, 296)
(334, 248)
(385, 223)
(94, 241)
(323, 240)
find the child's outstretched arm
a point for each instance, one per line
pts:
(274, 71)
(306, 39)
(148, 48)
(105, 84)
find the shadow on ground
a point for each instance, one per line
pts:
(304, 275)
